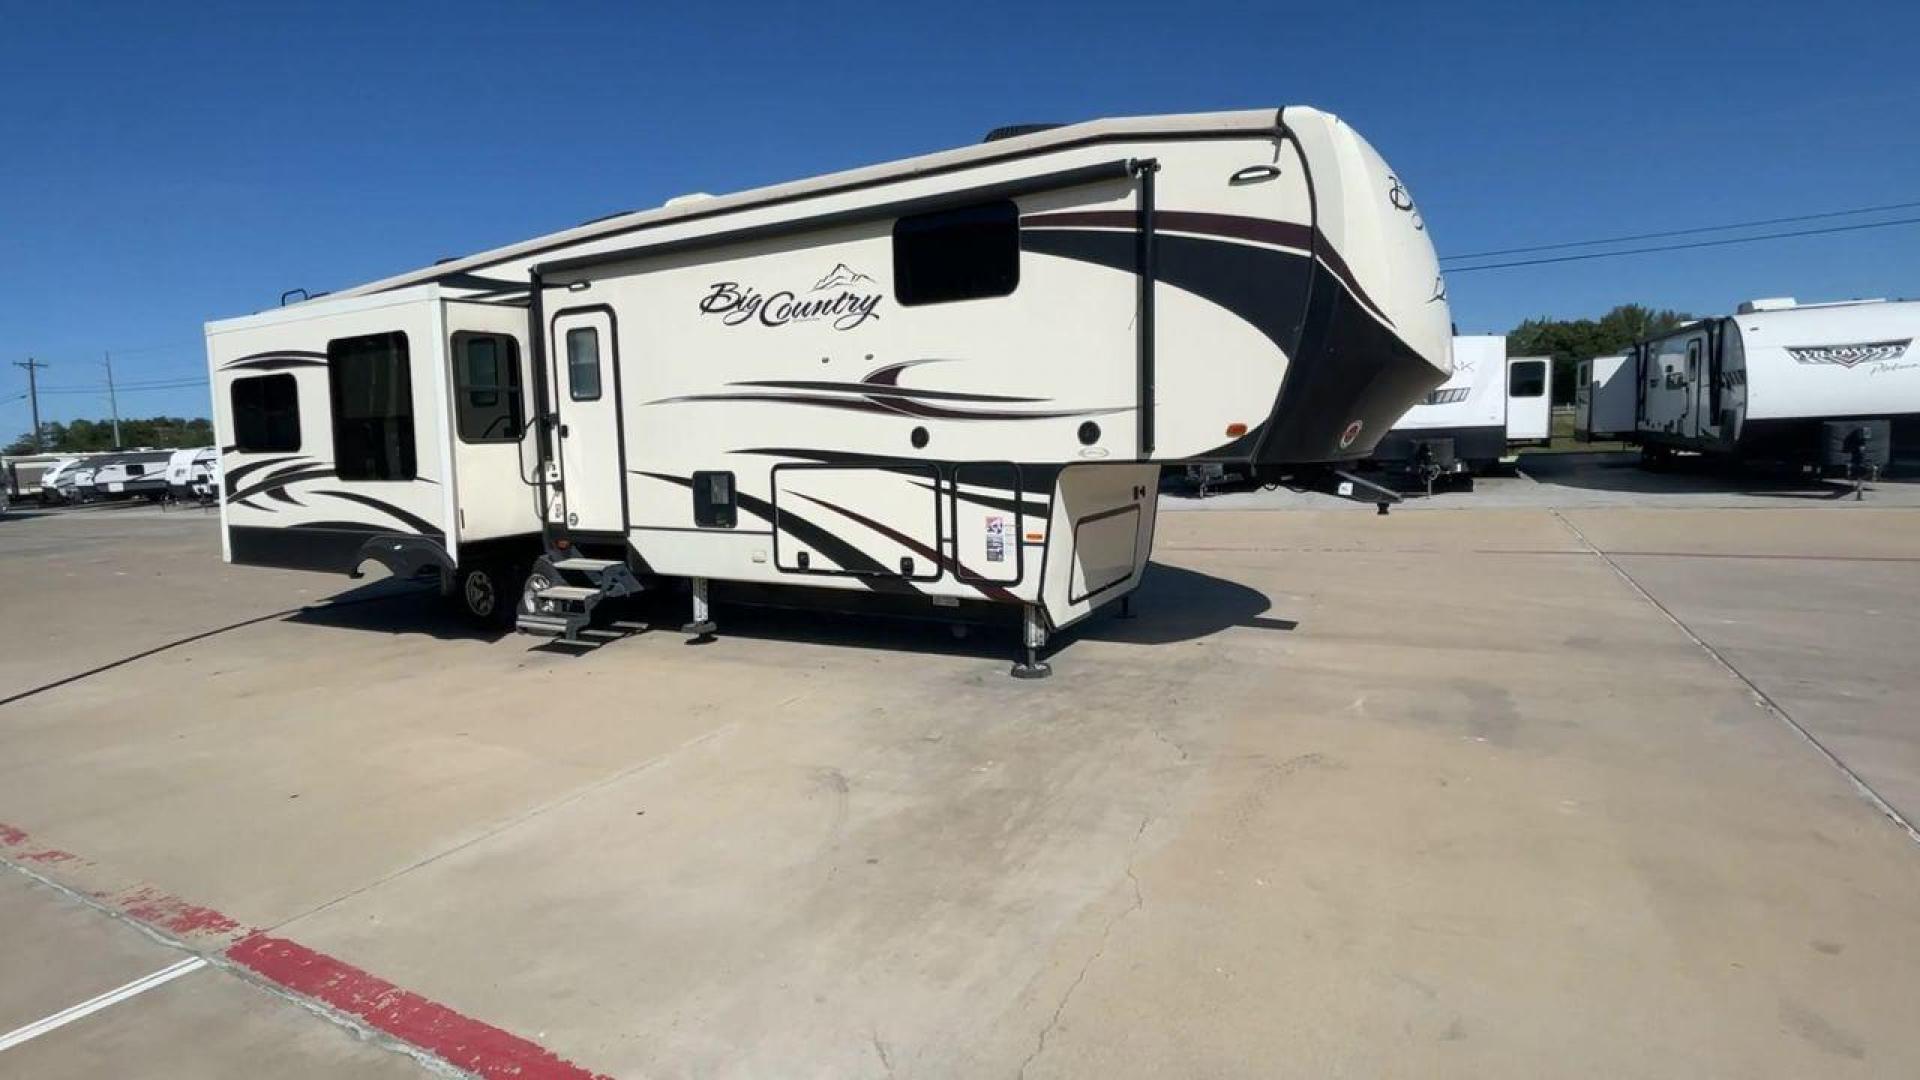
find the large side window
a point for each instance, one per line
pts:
(963, 254)
(486, 387)
(583, 363)
(1528, 378)
(372, 387)
(266, 414)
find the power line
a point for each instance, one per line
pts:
(1683, 232)
(1684, 247)
(101, 391)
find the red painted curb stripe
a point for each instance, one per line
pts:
(481, 1049)
(461, 1041)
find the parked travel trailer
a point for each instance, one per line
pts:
(1835, 386)
(944, 383)
(21, 474)
(132, 474)
(81, 489)
(56, 484)
(189, 468)
(1490, 406)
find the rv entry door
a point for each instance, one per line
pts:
(586, 381)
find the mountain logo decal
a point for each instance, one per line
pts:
(840, 277)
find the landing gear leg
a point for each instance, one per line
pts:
(1033, 634)
(701, 627)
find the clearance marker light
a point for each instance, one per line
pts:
(1236, 430)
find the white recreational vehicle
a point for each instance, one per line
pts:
(945, 382)
(1830, 386)
(1491, 405)
(133, 474)
(190, 469)
(57, 483)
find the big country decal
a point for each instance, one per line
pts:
(845, 297)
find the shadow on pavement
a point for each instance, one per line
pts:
(1173, 604)
(1623, 472)
(405, 607)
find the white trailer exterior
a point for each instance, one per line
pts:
(1490, 405)
(189, 468)
(947, 381)
(1777, 380)
(1603, 398)
(1529, 400)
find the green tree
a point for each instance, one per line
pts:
(1572, 340)
(160, 432)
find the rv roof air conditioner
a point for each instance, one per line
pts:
(1770, 303)
(689, 197)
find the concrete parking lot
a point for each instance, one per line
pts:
(1505, 787)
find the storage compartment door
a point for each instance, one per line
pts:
(863, 521)
(1105, 548)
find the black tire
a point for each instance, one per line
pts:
(485, 594)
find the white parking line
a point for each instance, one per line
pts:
(87, 1008)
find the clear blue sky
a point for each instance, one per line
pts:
(167, 164)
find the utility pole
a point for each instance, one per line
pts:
(113, 402)
(33, 392)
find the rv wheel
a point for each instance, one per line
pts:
(483, 594)
(542, 575)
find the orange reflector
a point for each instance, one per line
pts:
(1036, 536)
(1235, 430)
(563, 544)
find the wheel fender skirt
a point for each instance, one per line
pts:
(403, 556)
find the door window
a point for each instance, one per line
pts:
(1527, 379)
(583, 363)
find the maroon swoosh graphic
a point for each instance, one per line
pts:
(1234, 226)
(891, 404)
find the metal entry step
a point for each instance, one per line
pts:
(564, 609)
(584, 565)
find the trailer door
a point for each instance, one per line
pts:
(1529, 399)
(586, 361)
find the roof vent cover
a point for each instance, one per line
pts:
(1014, 131)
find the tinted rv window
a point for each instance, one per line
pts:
(1527, 379)
(486, 387)
(266, 414)
(583, 364)
(372, 386)
(959, 254)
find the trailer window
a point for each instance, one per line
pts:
(1527, 379)
(266, 414)
(372, 387)
(583, 364)
(486, 387)
(962, 254)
